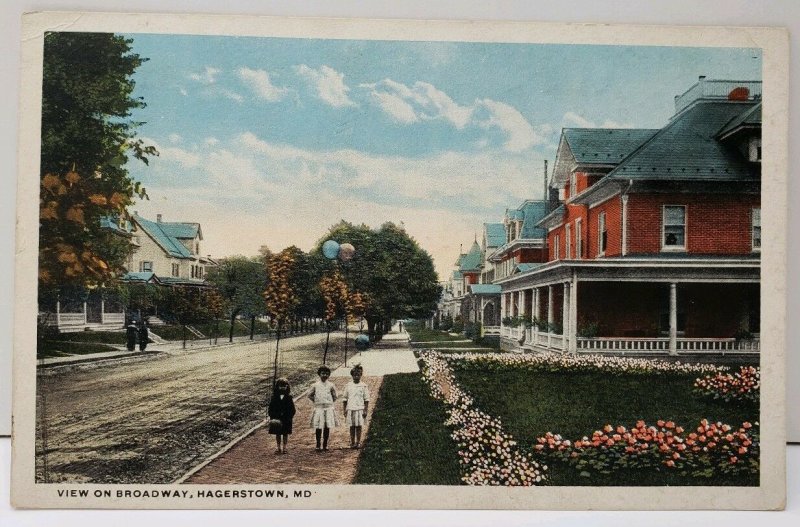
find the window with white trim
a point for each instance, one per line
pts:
(602, 234)
(567, 241)
(556, 243)
(674, 232)
(145, 267)
(756, 234)
(578, 240)
(176, 269)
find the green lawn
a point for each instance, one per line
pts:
(420, 334)
(575, 404)
(408, 443)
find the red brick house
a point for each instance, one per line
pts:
(654, 241)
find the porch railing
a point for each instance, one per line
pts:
(661, 345)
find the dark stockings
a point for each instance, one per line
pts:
(323, 434)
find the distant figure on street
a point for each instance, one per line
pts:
(130, 336)
(281, 411)
(356, 403)
(323, 394)
(401, 326)
(144, 336)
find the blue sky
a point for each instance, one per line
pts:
(268, 141)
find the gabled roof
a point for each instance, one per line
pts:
(514, 214)
(605, 146)
(688, 149)
(161, 232)
(472, 260)
(457, 275)
(458, 260)
(141, 277)
(495, 234)
(187, 231)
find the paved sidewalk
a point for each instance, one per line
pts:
(252, 459)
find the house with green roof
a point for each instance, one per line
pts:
(653, 245)
(171, 251)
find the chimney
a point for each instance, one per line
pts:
(544, 195)
(158, 218)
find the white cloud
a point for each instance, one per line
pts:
(230, 94)
(175, 138)
(211, 141)
(183, 91)
(289, 195)
(207, 76)
(422, 101)
(260, 83)
(327, 84)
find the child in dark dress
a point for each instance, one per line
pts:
(281, 407)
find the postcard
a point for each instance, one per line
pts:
(306, 263)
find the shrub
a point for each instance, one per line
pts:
(744, 385)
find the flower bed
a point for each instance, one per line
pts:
(710, 449)
(552, 362)
(741, 386)
(487, 454)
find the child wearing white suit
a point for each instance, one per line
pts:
(323, 394)
(356, 403)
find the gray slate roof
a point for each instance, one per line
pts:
(688, 149)
(495, 234)
(605, 145)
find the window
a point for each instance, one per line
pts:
(674, 227)
(578, 239)
(756, 229)
(556, 243)
(602, 234)
(176, 269)
(567, 241)
(145, 267)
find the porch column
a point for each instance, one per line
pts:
(535, 313)
(673, 319)
(549, 315)
(502, 307)
(521, 303)
(566, 331)
(573, 315)
(624, 225)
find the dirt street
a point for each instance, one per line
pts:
(150, 421)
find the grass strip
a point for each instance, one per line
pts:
(408, 443)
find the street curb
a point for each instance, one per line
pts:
(98, 359)
(227, 447)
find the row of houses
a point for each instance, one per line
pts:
(163, 253)
(648, 242)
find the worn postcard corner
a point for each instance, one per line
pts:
(305, 264)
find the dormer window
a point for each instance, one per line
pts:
(573, 184)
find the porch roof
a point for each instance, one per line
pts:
(660, 268)
(484, 289)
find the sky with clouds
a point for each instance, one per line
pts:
(268, 141)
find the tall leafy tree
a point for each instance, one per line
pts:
(390, 270)
(87, 138)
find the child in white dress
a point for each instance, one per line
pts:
(356, 403)
(323, 394)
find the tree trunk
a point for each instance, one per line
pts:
(233, 321)
(371, 329)
(252, 326)
(183, 326)
(327, 342)
(275, 363)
